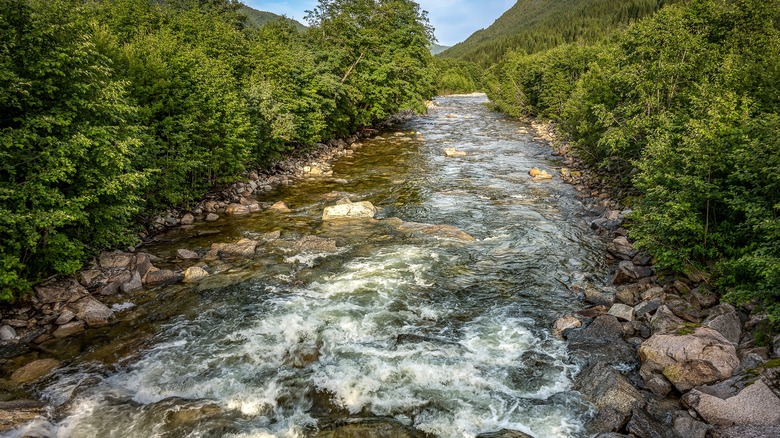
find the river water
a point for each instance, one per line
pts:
(449, 336)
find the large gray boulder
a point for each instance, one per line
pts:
(755, 404)
(690, 360)
(612, 395)
(629, 272)
(63, 291)
(93, 312)
(602, 341)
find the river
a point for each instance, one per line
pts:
(449, 336)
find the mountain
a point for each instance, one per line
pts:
(535, 25)
(436, 48)
(259, 18)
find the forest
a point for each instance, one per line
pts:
(681, 112)
(111, 111)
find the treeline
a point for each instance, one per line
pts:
(113, 110)
(682, 110)
(535, 25)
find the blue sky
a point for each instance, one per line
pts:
(454, 20)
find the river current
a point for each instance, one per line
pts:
(449, 336)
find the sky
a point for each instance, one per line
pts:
(454, 20)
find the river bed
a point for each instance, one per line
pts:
(449, 336)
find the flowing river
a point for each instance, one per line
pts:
(451, 337)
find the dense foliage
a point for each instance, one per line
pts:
(683, 108)
(113, 110)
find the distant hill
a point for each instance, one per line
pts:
(535, 25)
(436, 49)
(259, 18)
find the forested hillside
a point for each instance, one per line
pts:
(113, 110)
(534, 25)
(682, 112)
(260, 18)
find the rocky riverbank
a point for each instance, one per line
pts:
(661, 355)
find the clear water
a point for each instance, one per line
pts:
(451, 337)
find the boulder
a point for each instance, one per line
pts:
(352, 210)
(598, 297)
(115, 260)
(628, 272)
(642, 425)
(629, 294)
(244, 247)
(69, 329)
(63, 291)
(601, 341)
(622, 311)
(725, 320)
(504, 433)
(684, 309)
(92, 278)
(755, 404)
(161, 277)
(565, 323)
(664, 321)
(187, 219)
(646, 307)
(688, 427)
(316, 244)
(539, 174)
(186, 254)
(280, 207)
(373, 427)
(34, 370)
(752, 431)
(454, 153)
(237, 209)
(211, 217)
(18, 412)
(621, 248)
(612, 395)
(702, 357)
(7, 333)
(93, 312)
(133, 285)
(65, 317)
(194, 274)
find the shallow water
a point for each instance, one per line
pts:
(449, 336)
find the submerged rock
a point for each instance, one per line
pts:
(34, 370)
(194, 274)
(280, 207)
(17, 412)
(368, 428)
(352, 210)
(454, 153)
(539, 174)
(504, 433)
(446, 231)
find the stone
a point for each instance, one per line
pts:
(115, 260)
(642, 425)
(629, 294)
(353, 210)
(187, 219)
(646, 308)
(194, 274)
(684, 309)
(69, 329)
(18, 412)
(93, 312)
(63, 291)
(253, 207)
(727, 324)
(186, 254)
(605, 224)
(316, 244)
(237, 209)
(161, 277)
(34, 370)
(688, 427)
(454, 153)
(702, 357)
(755, 404)
(565, 323)
(652, 293)
(621, 248)
(658, 384)
(664, 321)
(751, 431)
(596, 296)
(91, 278)
(629, 272)
(211, 217)
(612, 395)
(244, 247)
(703, 297)
(280, 207)
(7, 333)
(65, 317)
(143, 263)
(593, 312)
(622, 311)
(601, 341)
(135, 284)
